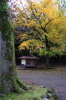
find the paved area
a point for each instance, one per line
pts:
(55, 78)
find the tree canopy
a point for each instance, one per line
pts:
(46, 24)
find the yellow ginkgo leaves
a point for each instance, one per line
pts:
(46, 23)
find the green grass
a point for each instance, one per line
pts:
(33, 94)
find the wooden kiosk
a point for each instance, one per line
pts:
(28, 61)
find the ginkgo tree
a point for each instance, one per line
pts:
(46, 24)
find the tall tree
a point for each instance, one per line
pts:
(46, 25)
(9, 81)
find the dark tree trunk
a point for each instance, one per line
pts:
(47, 60)
(8, 77)
(47, 55)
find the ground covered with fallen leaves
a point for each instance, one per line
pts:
(52, 78)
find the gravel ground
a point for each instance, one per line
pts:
(51, 78)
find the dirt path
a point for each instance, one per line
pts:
(55, 78)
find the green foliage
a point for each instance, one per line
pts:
(4, 6)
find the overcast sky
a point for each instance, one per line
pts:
(18, 2)
(24, 2)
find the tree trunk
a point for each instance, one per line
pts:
(47, 60)
(8, 77)
(47, 55)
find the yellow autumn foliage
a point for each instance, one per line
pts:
(31, 44)
(47, 25)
